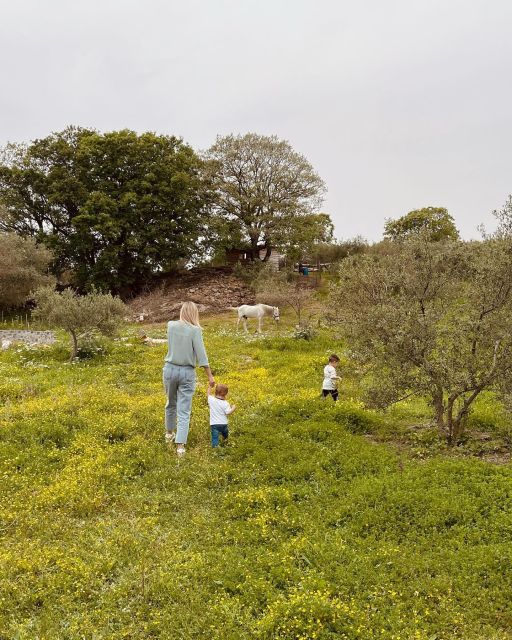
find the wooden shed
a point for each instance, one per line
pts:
(235, 255)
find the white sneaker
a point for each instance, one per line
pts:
(170, 437)
(180, 451)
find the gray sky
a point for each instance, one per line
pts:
(398, 104)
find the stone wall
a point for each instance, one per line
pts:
(27, 336)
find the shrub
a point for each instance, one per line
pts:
(431, 318)
(304, 331)
(80, 316)
(23, 268)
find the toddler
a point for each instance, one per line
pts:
(331, 378)
(219, 412)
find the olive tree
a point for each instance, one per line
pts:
(430, 318)
(79, 315)
(504, 218)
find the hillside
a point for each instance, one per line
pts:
(301, 528)
(213, 289)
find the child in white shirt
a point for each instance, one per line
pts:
(331, 378)
(220, 409)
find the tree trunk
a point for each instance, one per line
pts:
(254, 253)
(458, 427)
(74, 345)
(450, 423)
(462, 415)
(437, 401)
(455, 421)
(268, 253)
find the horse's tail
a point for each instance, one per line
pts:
(232, 308)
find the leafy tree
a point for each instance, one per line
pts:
(329, 252)
(79, 315)
(115, 208)
(265, 194)
(504, 218)
(23, 267)
(436, 221)
(431, 319)
(300, 237)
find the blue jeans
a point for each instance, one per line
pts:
(217, 430)
(179, 384)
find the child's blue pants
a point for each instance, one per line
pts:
(218, 429)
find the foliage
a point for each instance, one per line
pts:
(284, 289)
(298, 529)
(115, 208)
(253, 273)
(265, 194)
(23, 268)
(435, 220)
(79, 315)
(304, 331)
(431, 318)
(299, 237)
(329, 252)
(504, 218)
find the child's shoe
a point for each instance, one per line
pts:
(170, 437)
(180, 451)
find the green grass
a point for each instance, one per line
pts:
(303, 527)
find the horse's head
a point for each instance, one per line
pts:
(275, 313)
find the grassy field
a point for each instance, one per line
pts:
(306, 526)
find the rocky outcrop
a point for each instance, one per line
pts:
(212, 289)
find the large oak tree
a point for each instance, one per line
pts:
(115, 208)
(265, 195)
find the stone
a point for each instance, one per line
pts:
(212, 289)
(26, 336)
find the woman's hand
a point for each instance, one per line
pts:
(211, 379)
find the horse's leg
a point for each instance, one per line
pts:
(259, 324)
(238, 322)
(245, 325)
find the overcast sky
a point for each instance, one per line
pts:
(398, 104)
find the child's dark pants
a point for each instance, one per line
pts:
(333, 392)
(217, 430)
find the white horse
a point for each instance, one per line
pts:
(258, 311)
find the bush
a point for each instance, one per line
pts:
(81, 316)
(23, 268)
(304, 331)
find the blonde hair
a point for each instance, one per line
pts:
(189, 313)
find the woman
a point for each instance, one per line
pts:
(185, 350)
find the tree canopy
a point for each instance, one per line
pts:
(265, 195)
(504, 218)
(79, 315)
(436, 221)
(432, 319)
(23, 268)
(115, 208)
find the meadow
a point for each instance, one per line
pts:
(317, 521)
